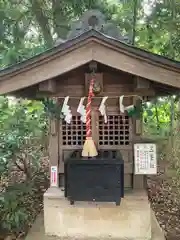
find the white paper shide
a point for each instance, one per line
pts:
(145, 158)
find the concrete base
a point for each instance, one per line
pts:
(131, 220)
(37, 230)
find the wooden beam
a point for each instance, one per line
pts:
(141, 83)
(48, 86)
(53, 144)
(98, 77)
(144, 92)
(138, 180)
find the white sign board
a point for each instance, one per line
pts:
(54, 176)
(145, 159)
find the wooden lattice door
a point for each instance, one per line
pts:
(116, 132)
(73, 134)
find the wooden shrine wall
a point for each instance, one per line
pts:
(116, 134)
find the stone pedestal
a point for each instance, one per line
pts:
(131, 220)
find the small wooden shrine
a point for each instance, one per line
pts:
(124, 78)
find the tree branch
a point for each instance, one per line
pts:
(18, 166)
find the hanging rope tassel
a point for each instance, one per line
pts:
(89, 148)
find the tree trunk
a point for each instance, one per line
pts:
(171, 30)
(134, 21)
(42, 21)
(172, 122)
(60, 21)
(178, 118)
(157, 116)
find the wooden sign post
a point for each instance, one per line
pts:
(145, 158)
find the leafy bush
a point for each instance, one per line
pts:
(13, 214)
(157, 117)
(23, 131)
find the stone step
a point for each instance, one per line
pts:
(37, 231)
(85, 220)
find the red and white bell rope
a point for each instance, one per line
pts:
(88, 109)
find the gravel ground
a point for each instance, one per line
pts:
(165, 201)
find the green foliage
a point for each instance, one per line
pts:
(52, 109)
(157, 117)
(14, 215)
(23, 125)
(23, 130)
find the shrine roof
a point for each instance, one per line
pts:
(93, 35)
(81, 48)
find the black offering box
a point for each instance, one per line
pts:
(97, 179)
